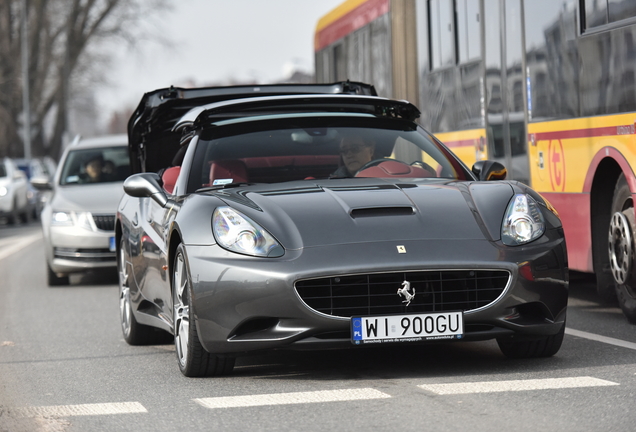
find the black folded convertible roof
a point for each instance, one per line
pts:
(203, 115)
(152, 123)
(159, 110)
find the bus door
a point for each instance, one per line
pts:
(505, 103)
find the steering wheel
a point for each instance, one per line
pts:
(375, 162)
(425, 166)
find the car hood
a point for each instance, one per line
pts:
(100, 198)
(369, 211)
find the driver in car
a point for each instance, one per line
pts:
(93, 168)
(355, 152)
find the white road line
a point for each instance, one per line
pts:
(78, 410)
(599, 338)
(292, 398)
(22, 243)
(517, 385)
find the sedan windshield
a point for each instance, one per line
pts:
(96, 165)
(278, 150)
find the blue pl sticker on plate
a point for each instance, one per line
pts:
(111, 244)
(356, 329)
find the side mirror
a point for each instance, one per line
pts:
(42, 183)
(146, 185)
(486, 170)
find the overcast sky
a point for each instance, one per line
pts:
(214, 40)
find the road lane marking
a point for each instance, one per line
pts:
(77, 410)
(516, 385)
(20, 244)
(292, 398)
(599, 338)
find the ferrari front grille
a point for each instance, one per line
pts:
(377, 293)
(104, 222)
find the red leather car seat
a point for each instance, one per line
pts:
(228, 171)
(169, 178)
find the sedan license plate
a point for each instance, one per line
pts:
(111, 244)
(407, 328)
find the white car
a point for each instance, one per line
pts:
(79, 219)
(14, 203)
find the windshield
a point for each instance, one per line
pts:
(3, 170)
(261, 152)
(96, 165)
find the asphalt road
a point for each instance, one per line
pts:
(64, 366)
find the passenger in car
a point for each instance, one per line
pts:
(355, 151)
(109, 171)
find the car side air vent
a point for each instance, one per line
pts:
(382, 211)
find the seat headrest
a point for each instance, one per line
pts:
(169, 178)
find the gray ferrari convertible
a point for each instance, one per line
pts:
(324, 216)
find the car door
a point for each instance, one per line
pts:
(154, 221)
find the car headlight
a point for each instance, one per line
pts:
(61, 218)
(238, 233)
(523, 221)
(3, 191)
(80, 219)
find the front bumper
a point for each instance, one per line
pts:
(72, 249)
(244, 304)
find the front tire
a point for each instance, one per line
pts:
(25, 217)
(14, 216)
(622, 252)
(532, 348)
(193, 359)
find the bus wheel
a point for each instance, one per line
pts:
(621, 248)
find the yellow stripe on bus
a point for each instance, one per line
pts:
(338, 13)
(561, 151)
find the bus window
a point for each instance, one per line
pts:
(618, 10)
(468, 31)
(442, 32)
(595, 13)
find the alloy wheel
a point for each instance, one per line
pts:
(181, 310)
(125, 311)
(621, 247)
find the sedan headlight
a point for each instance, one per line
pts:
(238, 233)
(523, 221)
(80, 219)
(3, 191)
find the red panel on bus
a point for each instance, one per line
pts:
(350, 22)
(574, 211)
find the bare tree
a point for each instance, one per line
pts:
(61, 35)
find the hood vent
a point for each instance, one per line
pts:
(382, 211)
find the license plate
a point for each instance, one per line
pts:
(407, 328)
(111, 244)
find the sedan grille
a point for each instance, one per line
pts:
(85, 255)
(376, 294)
(104, 222)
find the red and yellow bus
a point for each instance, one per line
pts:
(547, 87)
